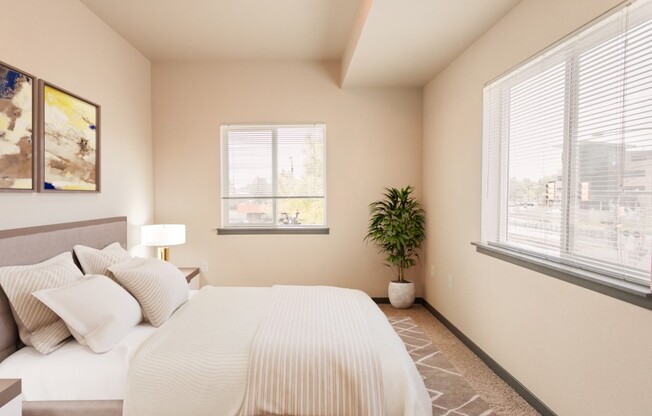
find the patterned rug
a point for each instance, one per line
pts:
(449, 392)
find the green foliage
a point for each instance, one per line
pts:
(397, 228)
(311, 182)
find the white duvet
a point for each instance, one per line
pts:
(197, 363)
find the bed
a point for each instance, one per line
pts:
(217, 327)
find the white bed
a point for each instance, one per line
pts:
(73, 380)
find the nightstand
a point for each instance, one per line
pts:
(11, 402)
(192, 277)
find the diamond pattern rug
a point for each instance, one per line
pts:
(449, 392)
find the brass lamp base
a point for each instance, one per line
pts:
(164, 253)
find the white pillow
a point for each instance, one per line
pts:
(159, 287)
(94, 261)
(97, 311)
(38, 326)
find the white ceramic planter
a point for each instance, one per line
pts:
(401, 295)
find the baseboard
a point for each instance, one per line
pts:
(380, 301)
(519, 388)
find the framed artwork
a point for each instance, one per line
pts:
(17, 123)
(70, 141)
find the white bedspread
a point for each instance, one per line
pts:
(197, 362)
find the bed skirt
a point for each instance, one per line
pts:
(73, 408)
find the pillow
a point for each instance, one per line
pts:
(38, 326)
(94, 261)
(97, 311)
(159, 287)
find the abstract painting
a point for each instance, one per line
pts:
(70, 129)
(16, 128)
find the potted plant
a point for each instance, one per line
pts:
(397, 228)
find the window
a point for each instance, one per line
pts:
(567, 151)
(273, 176)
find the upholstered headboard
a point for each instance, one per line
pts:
(36, 244)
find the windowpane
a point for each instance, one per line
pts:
(536, 138)
(612, 199)
(249, 156)
(300, 161)
(567, 152)
(273, 176)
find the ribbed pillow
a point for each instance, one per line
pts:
(94, 261)
(97, 311)
(159, 287)
(38, 326)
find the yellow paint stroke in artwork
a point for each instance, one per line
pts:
(77, 188)
(79, 113)
(4, 122)
(74, 187)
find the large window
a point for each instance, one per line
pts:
(567, 158)
(273, 176)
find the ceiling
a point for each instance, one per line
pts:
(381, 42)
(406, 43)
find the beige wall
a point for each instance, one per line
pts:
(64, 43)
(373, 140)
(580, 352)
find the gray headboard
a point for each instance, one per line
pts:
(36, 244)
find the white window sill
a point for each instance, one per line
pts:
(279, 230)
(633, 293)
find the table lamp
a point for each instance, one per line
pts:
(163, 236)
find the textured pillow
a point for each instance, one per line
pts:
(38, 326)
(97, 311)
(159, 287)
(94, 261)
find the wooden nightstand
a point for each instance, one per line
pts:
(11, 402)
(192, 277)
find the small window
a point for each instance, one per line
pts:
(567, 158)
(273, 176)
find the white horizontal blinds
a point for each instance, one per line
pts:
(567, 171)
(534, 166)
(273, 175)
(491, 163)
(247, 176)
(612, 163)
(249, 159)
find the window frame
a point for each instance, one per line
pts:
(274, 228)
(620, 287)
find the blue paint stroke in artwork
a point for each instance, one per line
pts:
(48, 185)
(8, 84)
(92, 126)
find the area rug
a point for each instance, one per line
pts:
(449, 392)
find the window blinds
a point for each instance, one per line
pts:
(273, 175)
(567, 150)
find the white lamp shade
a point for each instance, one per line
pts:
(163, 235)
